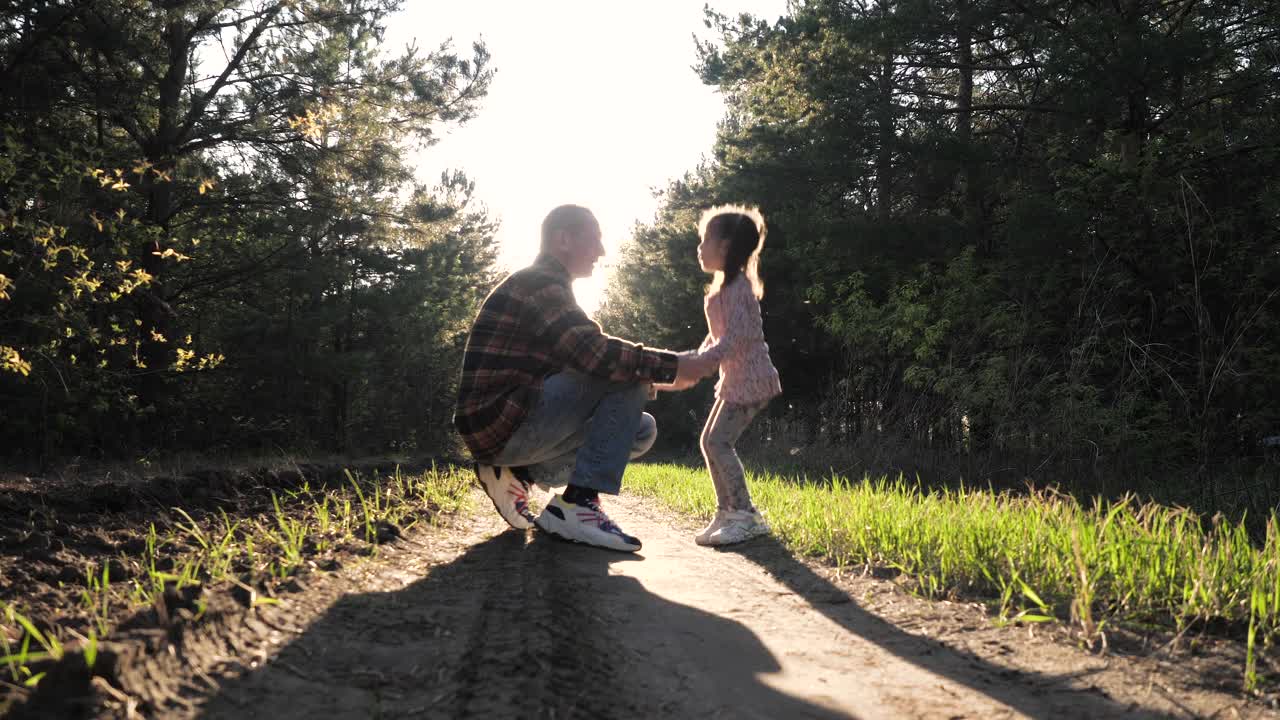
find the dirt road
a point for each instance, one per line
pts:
(484, 622)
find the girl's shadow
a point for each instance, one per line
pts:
(1033, 694)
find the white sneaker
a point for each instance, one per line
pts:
(716, 523)
(739, 526)
(585, 523)
(510, 494)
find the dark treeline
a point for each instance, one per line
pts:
(1027, 236)
(209, 235)
(1030, 235)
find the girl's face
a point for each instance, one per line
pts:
(711, 253)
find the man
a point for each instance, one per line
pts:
(547, 398)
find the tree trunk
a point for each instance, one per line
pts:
(154, 312)
(885, 120)
(969, 178)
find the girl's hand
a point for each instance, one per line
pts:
(694, 366)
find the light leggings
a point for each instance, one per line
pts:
(723, 428)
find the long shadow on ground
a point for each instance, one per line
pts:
(1033, 694)
(517, 626)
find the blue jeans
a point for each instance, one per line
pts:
(583, 431)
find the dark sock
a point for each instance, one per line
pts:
(579, 495)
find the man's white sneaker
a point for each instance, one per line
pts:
(739, 526)
(510, 494)
(585, 523)
(716, 523)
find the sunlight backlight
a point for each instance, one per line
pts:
(593, 103)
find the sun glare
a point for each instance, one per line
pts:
(593, 103)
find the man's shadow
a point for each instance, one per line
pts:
(517, 626)
(1031, 693)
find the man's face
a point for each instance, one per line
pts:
(582, 249)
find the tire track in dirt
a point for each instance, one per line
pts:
(492, 630)
(481, 621)
(529, 646)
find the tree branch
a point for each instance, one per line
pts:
(200, 103)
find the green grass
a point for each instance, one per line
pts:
(1036, 557)
(210, 548)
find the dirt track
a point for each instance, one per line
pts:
(483, 622)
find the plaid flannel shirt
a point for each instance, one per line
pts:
(528, 328)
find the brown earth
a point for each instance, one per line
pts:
(476, 620)
(56, 530)
(53, 528)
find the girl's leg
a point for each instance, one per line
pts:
(713, 461)
(724, 427)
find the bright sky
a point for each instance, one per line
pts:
(593, 103)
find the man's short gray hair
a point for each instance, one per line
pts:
(573, 218)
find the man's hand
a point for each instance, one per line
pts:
(676, 386)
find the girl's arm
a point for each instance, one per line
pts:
(737, 320)
(706, 342)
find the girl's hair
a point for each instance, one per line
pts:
(745, 230)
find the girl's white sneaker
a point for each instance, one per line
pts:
(738, 526)
(717, 522)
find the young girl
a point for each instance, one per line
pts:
(731, 240)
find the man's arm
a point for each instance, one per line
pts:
(576, 341)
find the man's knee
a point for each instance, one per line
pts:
(646, 435)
